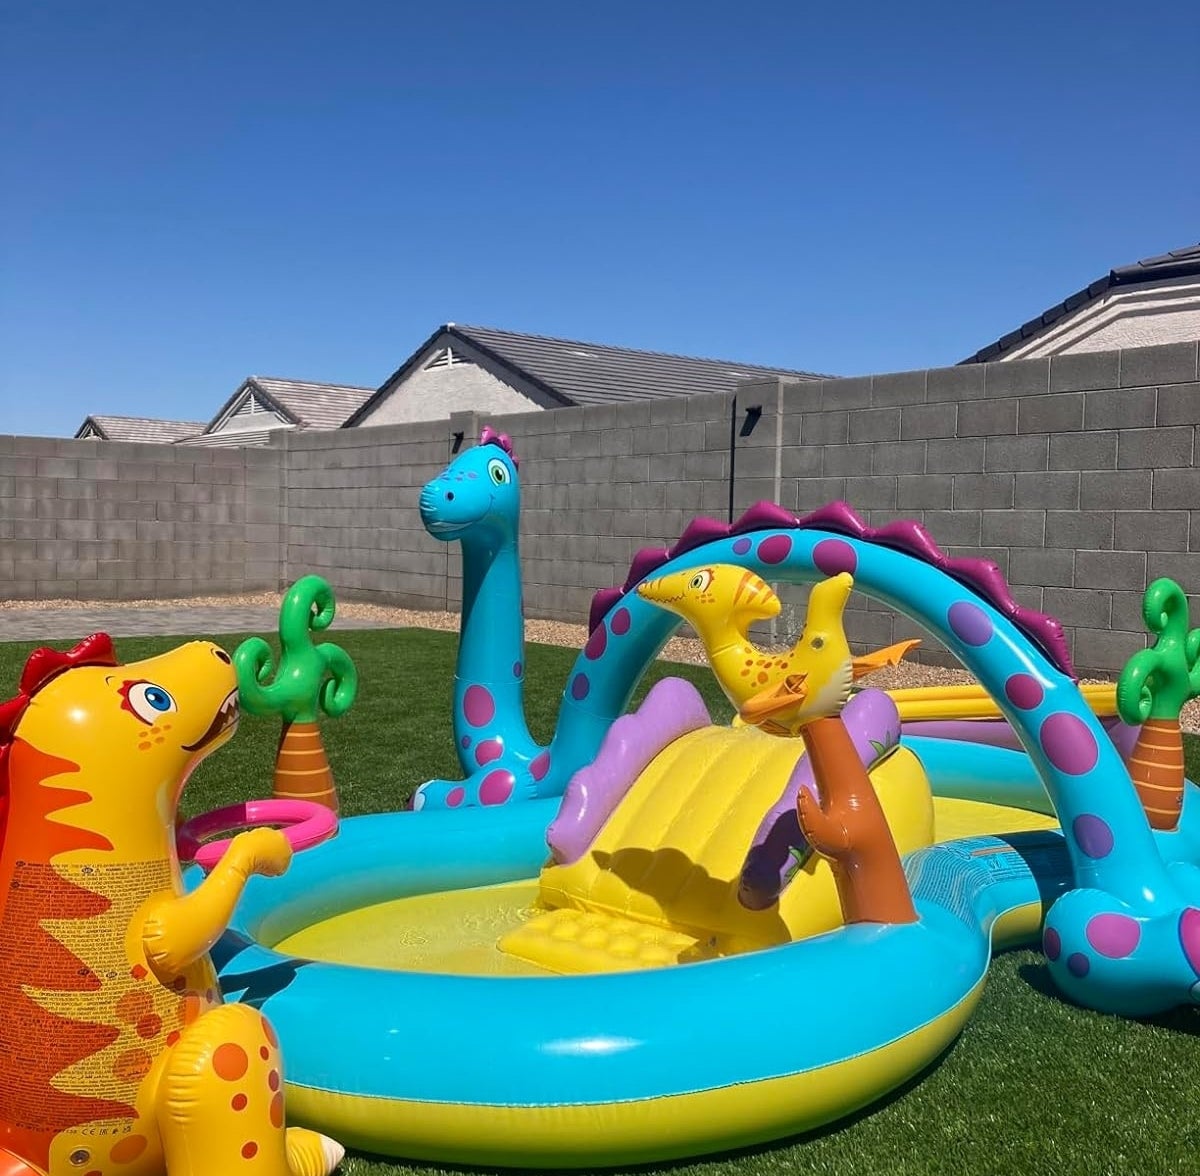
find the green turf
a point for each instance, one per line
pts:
(1033, 1086)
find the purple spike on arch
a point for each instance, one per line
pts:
(644, 563)
(763, 516)
(980, 575)
(698, 532)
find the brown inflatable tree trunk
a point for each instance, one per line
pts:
(302, 769)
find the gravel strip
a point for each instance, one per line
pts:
(686, 650)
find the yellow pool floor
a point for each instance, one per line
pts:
(456, 932)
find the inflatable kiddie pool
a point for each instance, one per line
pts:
(410, 1032)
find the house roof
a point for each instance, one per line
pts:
(123, 428)
(1178, 263)
(572, 372)
(304, 403)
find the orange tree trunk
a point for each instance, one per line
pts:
(849, 828)
(301, 767)
(1156, 768)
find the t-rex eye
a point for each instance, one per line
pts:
(701, 580)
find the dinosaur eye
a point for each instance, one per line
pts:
(701, 580)
(147, 701)
(498, 472)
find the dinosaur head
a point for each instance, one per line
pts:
(820, 687)
(136, 730)
(478, 488)
(714, 597)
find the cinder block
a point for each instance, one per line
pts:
(871, 492)
(1168, 363)
(1155, 448)
(928, 420)
(1125, 612)
(898, 457)
(958, 384)
(1100, 653)
(1083, 451)
(1083, 371)
(875, 424)
(1058, 490)
(1178, 404)
(1117, 490)
(1013, 528)
(921, 492)
(1059, 413)
(801, 461)
(851, 393)
(956, 455)
(57, 467)
(1016, 453)
(839, 461)
(1110, 569)
(1183, 567)
(1078, 606)
(1120, 408)
(1016, 377)
(898, 388)
(1035, 565)
(954, 527)
(1076, 529)
(1175, 489)
(982, 491)
(987, 418)
(825, 428)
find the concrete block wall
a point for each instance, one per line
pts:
(351, 512)
(1075, 474)
(116, 521)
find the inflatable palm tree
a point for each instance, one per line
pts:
(1153, 688)
(311, 679)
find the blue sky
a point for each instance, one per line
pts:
(191, 193)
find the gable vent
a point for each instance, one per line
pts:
(447, 357)
(251, 406)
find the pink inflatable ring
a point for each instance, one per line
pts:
(304, 822)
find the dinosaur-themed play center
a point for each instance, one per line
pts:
(549, 961)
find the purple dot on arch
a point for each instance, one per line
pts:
(741, 546)
(970, 623)
(580, 687)
(775, 549)
(835, 555)
(455, 797)
(497, 787)
(1068, 743)
(540, 766)
(621, 622)
(1092, 835)
(465, 741)
(1024, 691)
(1115, 936)
(596, 643)
(488, 750)
(517, 668)
(1078, 964)
(479, 706)
(1051, 943)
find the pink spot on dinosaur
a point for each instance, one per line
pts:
(497, 787)
(540, 766)
(580, 687)
(1115, 936)
(1024, 691)
(488, 750)
(479, 706)
(1189, 937)
(620, 622)
(1068, 744)
(1052, 944)
(597, 643)
(835, 555)
(455, 797)
(775, 549)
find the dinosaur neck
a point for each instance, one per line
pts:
(491, 651)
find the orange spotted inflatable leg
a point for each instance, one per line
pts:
(220, 1104)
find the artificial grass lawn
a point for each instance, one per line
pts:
(1034, 1085)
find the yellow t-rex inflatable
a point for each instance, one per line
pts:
(117, 1055)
